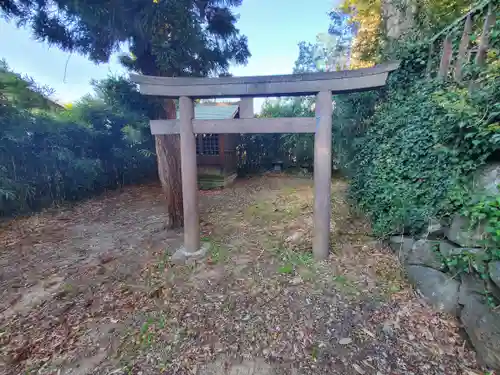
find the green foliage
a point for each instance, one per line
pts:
(47, 157)
(286, 268)
(218, 252)
(474, 263)
(23, 91)
(422, 141)
(468, 262)
(151, 329)
(293, 261)
(432, 16)
(486, 212)
(162, 38)
(331, 51)
(183, 37)
(366, 15)
(349, 123)
(259, 151)
(417, 20)
(411, 149)
(175, 37)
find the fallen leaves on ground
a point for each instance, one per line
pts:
(121, 307)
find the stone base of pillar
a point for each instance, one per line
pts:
(181, 256)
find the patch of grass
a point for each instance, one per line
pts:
(296, 172)
(218, 253)
(292, 211)
(288, 190)
(126, 367)
(285, 207)
(66, 290)
(146, 337)
(394, 288)
(303, 259)
(295, 258)
(293, 261)
(258, 210)
(345, 285)
(342, 280)
(308, 273)
(162, 262)
(314, 352)
(286, 268)
(151, 328)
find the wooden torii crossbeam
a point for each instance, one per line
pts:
(323, 85)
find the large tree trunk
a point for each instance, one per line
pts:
(168, 150)
(168, 153)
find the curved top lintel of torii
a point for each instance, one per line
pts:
(261, 86)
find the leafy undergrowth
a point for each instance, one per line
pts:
(105, 298)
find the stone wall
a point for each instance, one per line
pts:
(467, 295)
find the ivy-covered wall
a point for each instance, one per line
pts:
(413, 157)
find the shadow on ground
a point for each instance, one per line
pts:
(90, 290)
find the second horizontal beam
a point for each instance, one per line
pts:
(237, 126)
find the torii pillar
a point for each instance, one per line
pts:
(189, 178)
(322, 175)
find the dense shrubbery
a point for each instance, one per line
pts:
(259, 151)
(414, 155)
(411, 149)
(50, 155)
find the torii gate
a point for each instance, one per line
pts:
(323, 85)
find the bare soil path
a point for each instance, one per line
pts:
(90, 290)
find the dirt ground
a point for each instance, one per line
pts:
(90, 290)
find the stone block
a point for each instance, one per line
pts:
(487, 179)
(471, 285)
(401, 244)
(424, 253)
(494, 271)
(448, 249)
(461, 232)
(439, 289)
(482, 324)
(434, 229)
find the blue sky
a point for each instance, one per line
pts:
(273, 27)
